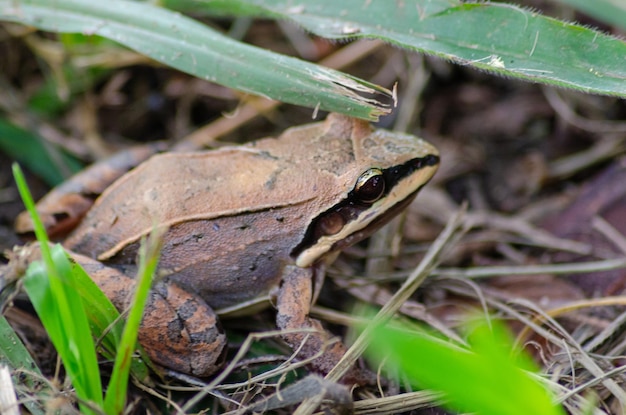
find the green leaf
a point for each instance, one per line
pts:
(55, 94)
(14, 354)
(608, 11)
(50, 287)
(104, 320)
(149, 254)
(46, 161)
(496, 37)
(192, 47)
(62, 313)
(12, 350)
(483, 379)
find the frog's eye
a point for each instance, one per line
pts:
(370, 186)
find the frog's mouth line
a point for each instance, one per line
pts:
(402, 185)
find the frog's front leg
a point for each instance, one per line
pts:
(178, 331)
(294, 303)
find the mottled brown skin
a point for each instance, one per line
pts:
(64, 207)
(238, 224)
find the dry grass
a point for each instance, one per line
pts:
(542, 244)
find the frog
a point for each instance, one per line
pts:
(244, 225)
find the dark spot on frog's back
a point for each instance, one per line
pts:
(174, 328)
(368, 143)
(270, 183)
(262, 260)
(187, 310)
(397, 148)
(263, 154)
(153, 195)
(197, 236)
(208, 335)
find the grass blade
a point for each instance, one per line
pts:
(496, 37)
(104, 318)
(14, 354)
(192, 47)
(50, 288)
(61, 311)
(118, 386)
(484, 379)
(46, 161)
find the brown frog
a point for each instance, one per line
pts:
(243, 224)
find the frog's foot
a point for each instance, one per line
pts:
(179, 330)
(294, 302)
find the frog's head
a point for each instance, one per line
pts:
(386, 171)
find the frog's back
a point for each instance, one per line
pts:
(310, 168)
(177, 188)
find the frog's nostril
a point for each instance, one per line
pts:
(430, 160)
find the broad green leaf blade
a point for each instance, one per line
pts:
(185, 44)
(104, 319)
(496, 37)
(483, 380)
(49, 286)
(609, 11)
(61, 311)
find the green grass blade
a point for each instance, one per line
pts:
(118, 386)
(12, 350)
(47, 162)
(496, 37)
(192, 47)
(484, 380)
(13, 354)
(104, 318)
(608, 11)
(62, 313)
(50, 288)
(56, 94)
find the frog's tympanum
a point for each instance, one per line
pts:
(244, 223)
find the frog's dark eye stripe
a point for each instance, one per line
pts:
(371, 186)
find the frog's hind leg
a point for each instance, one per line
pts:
(179, 330)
